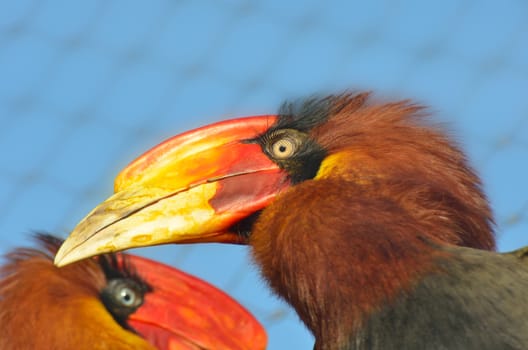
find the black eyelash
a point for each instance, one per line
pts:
(268, 138)
(113, 268)
(304, 114)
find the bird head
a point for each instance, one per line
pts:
(115, 301)
(212, 184)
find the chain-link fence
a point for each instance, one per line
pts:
(87, 86)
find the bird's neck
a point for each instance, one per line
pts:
(341, 256)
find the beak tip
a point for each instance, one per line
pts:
(67, 254)
(59, 262)
(61, 258)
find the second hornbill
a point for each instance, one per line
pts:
(115, 301)
(363, 215)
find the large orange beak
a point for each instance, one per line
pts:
(184, 312)
(191, 188)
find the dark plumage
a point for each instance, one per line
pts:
(476, 302)
(361, 214)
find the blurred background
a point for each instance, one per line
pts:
(85, 87)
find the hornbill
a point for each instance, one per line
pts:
(114, 301)
(361, 214)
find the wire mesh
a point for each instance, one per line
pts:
(87, 86)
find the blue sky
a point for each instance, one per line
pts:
(88, 86)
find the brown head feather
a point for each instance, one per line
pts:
(391, 147)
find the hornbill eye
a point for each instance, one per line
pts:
(122, 297)
(127, 297)
(294, 151)
(284, 144)
(283, 148)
